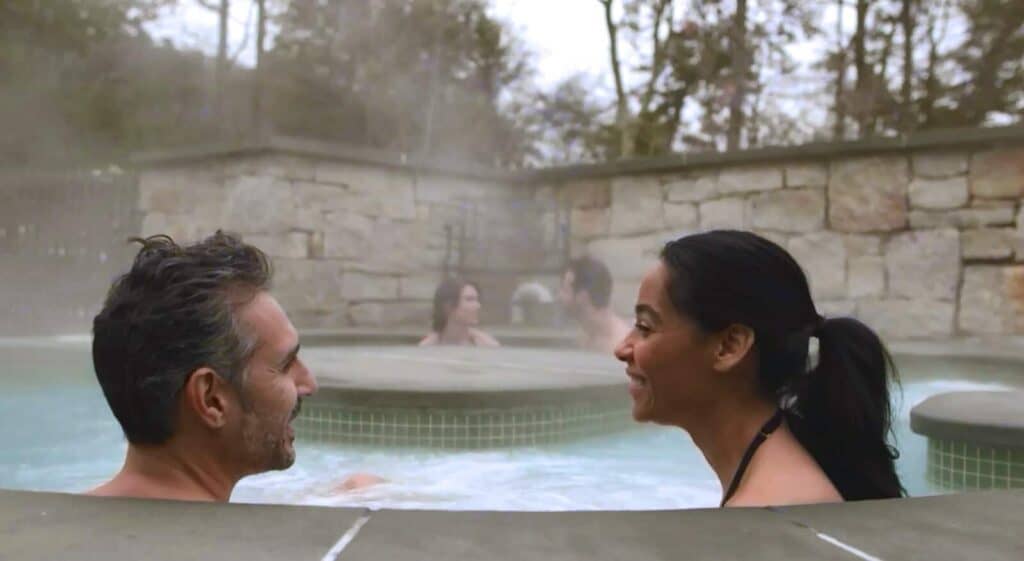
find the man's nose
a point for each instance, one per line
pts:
(306, 381)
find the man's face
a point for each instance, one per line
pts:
(568, 296)
(275, 382)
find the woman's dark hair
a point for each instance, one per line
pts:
(839, 410)
(172, 313)
(446, 299)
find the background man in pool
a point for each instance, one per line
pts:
(201, 368)
(585, 294)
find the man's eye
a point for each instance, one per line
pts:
(643, 329)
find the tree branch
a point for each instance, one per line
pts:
(622, 109)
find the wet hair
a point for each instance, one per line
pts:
(172, 313)
(592, 276)
(839, 410)
(446, 299)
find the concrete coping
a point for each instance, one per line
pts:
(461, 377)
(946, 139)
(990, 418)
(534, 337)
(331, 151)
(58, 526)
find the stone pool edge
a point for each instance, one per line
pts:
(51, 526)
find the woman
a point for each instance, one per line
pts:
(456, 313)
(720, 349)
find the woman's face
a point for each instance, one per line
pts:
(668, 359)
(467, 309)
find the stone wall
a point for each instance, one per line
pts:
(919, 238)
(63, 237)
(357, 238)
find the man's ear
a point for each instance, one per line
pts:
(207, 395)
(734, 343)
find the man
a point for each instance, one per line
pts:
(586, 295)
(201, 368)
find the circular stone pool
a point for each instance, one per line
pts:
(57, 434)
(461, 398)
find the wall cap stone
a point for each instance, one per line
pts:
(292, 146)
(963, 138)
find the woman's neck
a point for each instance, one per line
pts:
(455, 334)
(724, 431)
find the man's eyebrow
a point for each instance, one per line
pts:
(290, 357)
(644, 309)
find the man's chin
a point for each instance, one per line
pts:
(283, 461)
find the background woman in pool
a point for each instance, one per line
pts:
(720, 349)
(456, 315)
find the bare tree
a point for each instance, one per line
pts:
(260, 78)
(906, 118)
(839, 104)
(223, 9)
(622, 115)
(860, 63)
(740, 69)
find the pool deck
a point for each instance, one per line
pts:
(46, 526)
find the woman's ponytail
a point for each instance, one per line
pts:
(841, 412)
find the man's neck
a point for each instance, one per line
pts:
(601, 323)
(165, 472)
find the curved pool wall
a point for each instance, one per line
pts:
(462, 398)
(975, 439)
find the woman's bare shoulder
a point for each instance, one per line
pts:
(779, 478)
(482, 339)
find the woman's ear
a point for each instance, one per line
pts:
(734, 344)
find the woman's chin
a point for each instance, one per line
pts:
(641, 412)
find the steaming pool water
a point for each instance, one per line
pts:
(57, 434)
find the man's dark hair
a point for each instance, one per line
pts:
(172, 313)
(593, 276)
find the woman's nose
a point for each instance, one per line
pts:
(624, 350)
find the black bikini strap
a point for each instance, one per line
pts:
(768, 428)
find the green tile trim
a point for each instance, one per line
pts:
(956, 465)
(460, 428)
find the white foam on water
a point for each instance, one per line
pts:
(528, 479)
